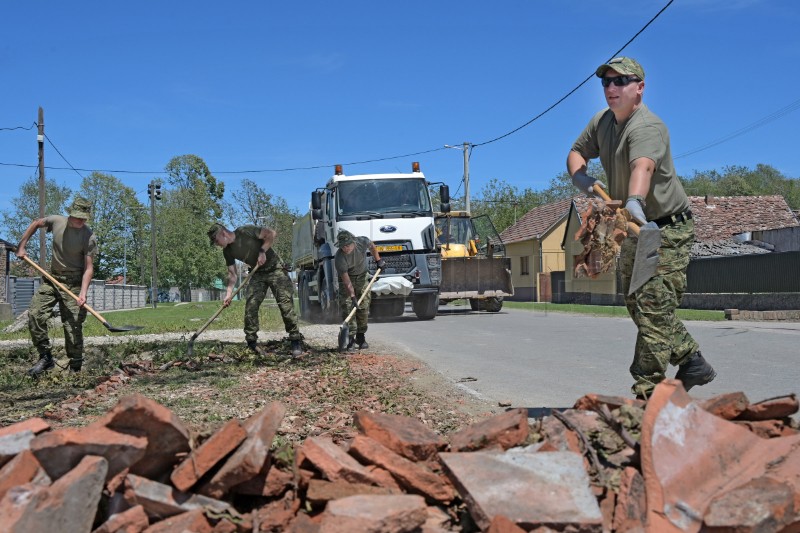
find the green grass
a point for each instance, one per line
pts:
(169, 317)
(607, 310)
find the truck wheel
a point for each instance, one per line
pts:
(476, 304)
(426, 306)
(493, 305)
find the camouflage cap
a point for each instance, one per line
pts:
(623, 65)
(80, 208)
(212, 232)
(344, 238)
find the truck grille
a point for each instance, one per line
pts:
(395, 264)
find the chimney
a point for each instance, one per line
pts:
(710, 200)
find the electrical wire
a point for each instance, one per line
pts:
(782, 112)
(62, 156)
(19, 128)
(353, 163)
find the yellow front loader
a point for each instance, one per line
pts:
(474, 265)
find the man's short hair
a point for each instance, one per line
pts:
(624, 65)
(212, 232)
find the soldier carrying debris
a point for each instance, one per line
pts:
(74, 247)
(253, 245)
(633, 146)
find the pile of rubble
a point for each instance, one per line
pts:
(603, 229)
(608, 464)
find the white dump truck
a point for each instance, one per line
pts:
(395, 212)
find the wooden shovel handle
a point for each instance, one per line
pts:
(363, 294)
(53, 280)
(601, 192)
(214, 317)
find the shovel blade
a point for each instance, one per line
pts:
(344, 337)
(109, 327)
(645, 265)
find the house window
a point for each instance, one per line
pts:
(524, 267)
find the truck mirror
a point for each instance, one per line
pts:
(316, 200)
(444, 208)
(316, 214)
(444, 194)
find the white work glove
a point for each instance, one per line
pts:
(585, 182)
(634, 207)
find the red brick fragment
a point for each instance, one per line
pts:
(22, 469)
(502, 524)
(167, 436)
(504, 431)
(761, 504)
(631, 506)
(61, 450)
(250, 458)
(413, 476)
(194, 521)
(333, 462)
(590, 402)
(402, 434)
(766, 429)
(35, 425)
(775, 408)
(272, 484)
(321, 491)
(208, 454)
(276, 515)
(727, 406)
(133, 520)
(374, 513)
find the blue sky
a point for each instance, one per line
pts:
(275, 85)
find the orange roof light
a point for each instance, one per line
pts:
(338, 170)
(415, 166)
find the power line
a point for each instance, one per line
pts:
(794, 106)
(62, 155)
(20, 127)
(352, 163)
(581, 84)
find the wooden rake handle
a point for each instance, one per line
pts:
(363, 294)
(215, 315)
(61, 286)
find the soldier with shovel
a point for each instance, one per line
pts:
(633, 146)
(253, 246)
(74, 247)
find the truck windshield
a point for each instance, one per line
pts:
(386, 197)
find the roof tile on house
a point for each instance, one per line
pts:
(537, 222)
(725, 247)
(721, 217)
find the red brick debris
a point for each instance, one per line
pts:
(608, 464)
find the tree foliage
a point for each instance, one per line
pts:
(112, 203)
(25, 209)
(253, 205)
(763, 180)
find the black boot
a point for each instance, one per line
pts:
(297, 348)
(351, 344)
(75, 365)
(361, 341)
(696, 371)
(44, 364)
(252, 346)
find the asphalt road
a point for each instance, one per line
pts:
(536, 359)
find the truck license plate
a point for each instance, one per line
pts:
(390, 248)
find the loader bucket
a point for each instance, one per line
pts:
(476, 277)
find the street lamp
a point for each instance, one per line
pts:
(125, 245)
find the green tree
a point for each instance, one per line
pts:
(504, 203)
(25, 209)
(253, 205)
(743, 181)
(184, 256)
(112, 203)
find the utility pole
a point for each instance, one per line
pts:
(154, 192)
(42, 199)
(466, 176)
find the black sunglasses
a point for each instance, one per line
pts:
(619, 81)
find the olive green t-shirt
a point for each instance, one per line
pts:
(355, 263)
(246, 248)
(617, 146)
(71, 246)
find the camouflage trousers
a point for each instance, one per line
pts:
(276, 280)
(662, 338)
(72, 317)
(357, 324)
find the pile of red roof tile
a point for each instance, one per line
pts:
(602, 231)
(608, 464)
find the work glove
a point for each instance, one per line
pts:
(634, 207)
(585, 182)
(381, 264)
(354, 300)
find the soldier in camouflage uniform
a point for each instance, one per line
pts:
(351, 264)
(253, 245)
(74, 247)
(633, 146)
